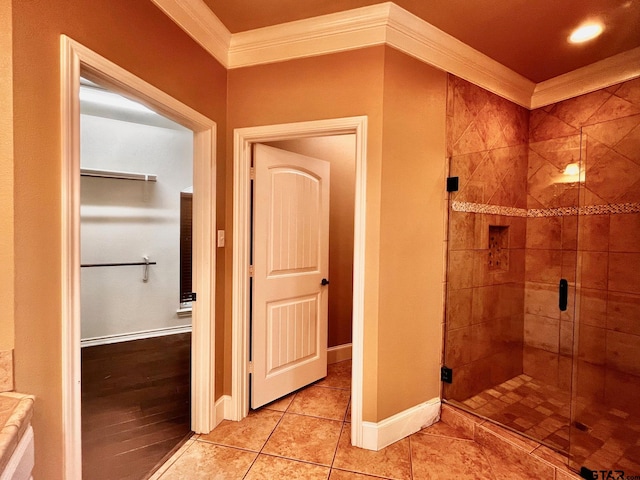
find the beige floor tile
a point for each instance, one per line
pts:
(444, 430)
(281, 404)
(250, 433)
(344, 475)
(165, 466)
(321, 402)
(309, 439)
(271, 468)
(392, 462)
(438, 457)
(303, 436)
(338, 376)
(509, 462)
(212, 462)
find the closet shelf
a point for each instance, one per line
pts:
(94, 172)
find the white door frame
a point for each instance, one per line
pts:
(243, 140)
(76, 59)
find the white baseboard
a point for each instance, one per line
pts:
(376, 436)
(221, 406)
(232, 411)
(339, 353)
(125, 337)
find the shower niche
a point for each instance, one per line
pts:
(498, 248)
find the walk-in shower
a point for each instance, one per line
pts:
(543, 284)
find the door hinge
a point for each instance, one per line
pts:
(250, 367)
(452, 184)
(252, 173)
(251, 270)
(587, 473)
(446, 374)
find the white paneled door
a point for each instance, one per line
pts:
(290, 279)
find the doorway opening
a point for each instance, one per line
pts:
(78, 61)
(244, 139)
(136, 175)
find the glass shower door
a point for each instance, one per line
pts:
(507, 341)
(605, 428)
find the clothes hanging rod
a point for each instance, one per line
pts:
(117, 264)
(94, 172)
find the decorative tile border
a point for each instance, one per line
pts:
(611, 208)
(469, 207)
(554, 212)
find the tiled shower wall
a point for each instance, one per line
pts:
(487, 143)
(608, 243)
(511, 166)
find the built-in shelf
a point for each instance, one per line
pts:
(498, 248)
(94, 172)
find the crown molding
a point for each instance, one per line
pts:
(616, 69)
(418, 38)
(389, 24)
(336, 32)
(380, 24)
(201, 24)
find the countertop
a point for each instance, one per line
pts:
(16, 410)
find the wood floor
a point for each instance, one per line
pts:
(135, 405)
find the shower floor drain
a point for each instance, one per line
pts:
(581, 426)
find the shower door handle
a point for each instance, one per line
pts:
(563, 293)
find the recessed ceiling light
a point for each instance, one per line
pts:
(586, 32)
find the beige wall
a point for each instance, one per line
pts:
(6, 178)
(330, 86)
(400, 96)
(405, 102)
(141, 39)
(411, 234)
(340, 151)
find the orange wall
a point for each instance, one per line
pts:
(140, 38)
(411, 234)
(340, 151)
(331, 86)
(6, 178)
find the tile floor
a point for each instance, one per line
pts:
(529, 406)
(609, 438)
(306, 435)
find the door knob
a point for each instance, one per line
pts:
(324, 282)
